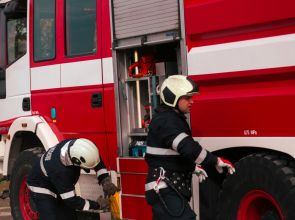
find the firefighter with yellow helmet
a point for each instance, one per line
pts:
(52, 180)
(173, 155)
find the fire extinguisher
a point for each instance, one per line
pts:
(146, 66)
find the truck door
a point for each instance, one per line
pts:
(15, 74)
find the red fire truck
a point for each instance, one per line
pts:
(92, 69)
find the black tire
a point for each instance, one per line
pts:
(263, 185)
(22, 208)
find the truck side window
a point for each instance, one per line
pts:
(44, 30)
(16, 38)
(80, 27)
(2, 39)
(2, 55)
(2, 84)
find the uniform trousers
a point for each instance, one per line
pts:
(50, 208)
(172, 202)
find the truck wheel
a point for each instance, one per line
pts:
(22, 207)
(263, 188)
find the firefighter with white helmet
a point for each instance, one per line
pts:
(177, 86)
(52, 180)
(173, 155)
(84, 153)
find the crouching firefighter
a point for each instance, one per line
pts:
(173, 155)
(52, 180)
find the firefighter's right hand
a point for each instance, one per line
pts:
(103, 203)
(201, 173)
(223, 163)
(108, 187)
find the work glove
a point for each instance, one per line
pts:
(201, 173)
(223, 163)
(103, 203)
(108, 187)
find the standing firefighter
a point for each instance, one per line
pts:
(52, 180)
(173, 155)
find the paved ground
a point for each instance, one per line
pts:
(4, 203)
(5, 209)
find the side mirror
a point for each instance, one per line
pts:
(2, 83)
(15, 9)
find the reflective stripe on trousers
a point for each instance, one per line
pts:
(42, 190)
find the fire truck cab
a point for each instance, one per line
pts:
(41, 83)
(93, 69)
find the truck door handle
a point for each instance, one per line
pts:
(26, 104)
(96, 100)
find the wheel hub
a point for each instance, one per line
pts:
(259, 205)
(27, 206)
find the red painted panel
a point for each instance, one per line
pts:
(4, 126)
(60, 35)
(43, 101)
(112, 150)
(75, 117)
(99, 139)
(109, 106)
(254, 105)
(133, 183)
(212, 21)
(106, 29)
(110, 123)
(77, 114)
(134, 165)
(225, 14)
(133, 174)
(135, 208)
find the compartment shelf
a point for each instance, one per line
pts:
(143, 134)
(129, 79)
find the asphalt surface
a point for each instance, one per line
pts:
(5, 209)
(4, 203)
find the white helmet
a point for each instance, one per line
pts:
(84, 153)
(176, 86)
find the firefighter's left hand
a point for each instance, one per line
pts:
(201, 173)
(108, 187)
(103, 203)
(223, 163)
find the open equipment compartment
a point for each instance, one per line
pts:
(147, 48)
(139, 93)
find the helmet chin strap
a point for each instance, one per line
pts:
(86, 170)
(176, 108)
